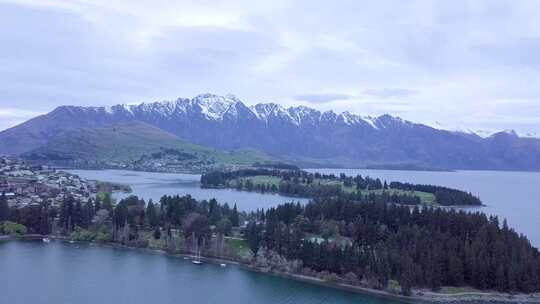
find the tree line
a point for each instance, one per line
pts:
(306, 184)
(443, 195)
(377, 242)
(364, 238)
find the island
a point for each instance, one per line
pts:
(295, 182)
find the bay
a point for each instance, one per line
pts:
(152, 185)
(35, 272)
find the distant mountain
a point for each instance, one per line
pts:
(300, 134)
(134, 142)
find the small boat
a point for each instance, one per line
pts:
(72, 242)
(197, 260)
(186, 258)
(223, 265)
(46, 240)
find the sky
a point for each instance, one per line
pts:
(468, 65)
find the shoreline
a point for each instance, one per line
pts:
(419, 296)
(434, 205)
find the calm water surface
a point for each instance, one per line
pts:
(511, 195)
(151, 185)
(34, 272)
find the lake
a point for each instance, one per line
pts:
(35, 272)
(152, 185)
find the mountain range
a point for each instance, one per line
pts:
(298, 134)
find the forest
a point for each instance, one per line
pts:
(297, 182)
(425, 247)
(365, 241)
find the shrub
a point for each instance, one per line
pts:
(83, 235)
(12, 228)
(103, 237)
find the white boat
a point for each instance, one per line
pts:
(223, 265)
(72, 242)
(197, 260)
(46, 240)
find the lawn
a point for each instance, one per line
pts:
(240, 247)
(455, 290)
(259, 179)
(425, 197)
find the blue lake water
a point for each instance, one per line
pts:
(151, 185)
(54, 273)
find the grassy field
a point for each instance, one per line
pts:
(425, 197)
(456, 290)
(258, 180)
(240, 247)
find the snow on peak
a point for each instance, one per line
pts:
(350, 118)
(265, 111)
(372, 121)
(302, 114)
(508, 132)
(215, 106)
(109, 109)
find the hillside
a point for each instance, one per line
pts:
(300, 134)
(136, 143)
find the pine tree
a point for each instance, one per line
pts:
(78, 215)
(157, 233)
(214, 212)
(4, 209)
(88, 214)
(151, 214)
(406, 278)
(66, 213)
(500, 279)
(235, 220)
(97, 204)
(107, 202)
(254, 237)
(44, 224)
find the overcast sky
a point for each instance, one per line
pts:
(467, 64)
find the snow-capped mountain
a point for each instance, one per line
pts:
(229, 107)
(294, 133)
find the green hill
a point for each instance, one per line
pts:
(136, 143)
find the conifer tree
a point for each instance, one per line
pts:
(235, 219)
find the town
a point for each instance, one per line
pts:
(24, 184)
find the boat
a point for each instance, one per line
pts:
(223, 265)
(46, 240)
(197, 260)
(72, 242)
(186, 258)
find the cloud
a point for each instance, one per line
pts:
(390, 93)
(447, 59)
(12, 116)
(322, 98)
